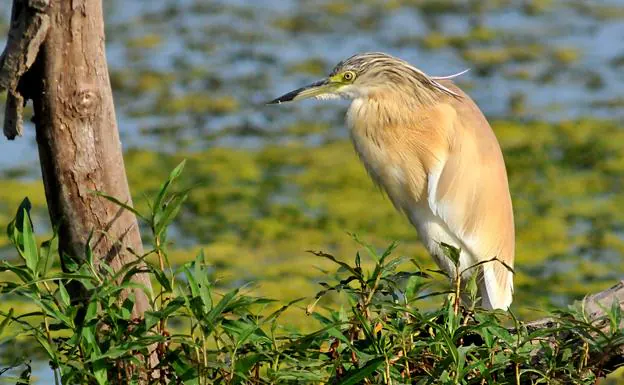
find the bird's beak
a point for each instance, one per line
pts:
(317, 88)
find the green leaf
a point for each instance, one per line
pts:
(65, 299)
(169, 212)
(47, 304)
(24, 207)
(462, 351)
(69, 263)
(414, 284)
(24, 274)
(91, 312)
(472, 287)
(192, 282)
(162, 279)
(46, 346)
(216, 311)
(371, 251)
(388, 252)
(203, 280)
(165, 187)
(244, 330)
(151, 319)
(185, 370)
(59, 326)
(15, 228)
(244, 365)
(88, 333)
(448, 341)
(127, 349)
(177, 171)
(47, 255)
(100, 369)
(127, 306)
(119, 203)
(282, 309)
(31, 254)
(299, 376)
(356, 376)
(6, 321)
(89, 251)
(392, 265)
(340, 263)
(452, 252)
(615, 316)
(172, 306)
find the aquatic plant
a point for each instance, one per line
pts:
(201, 334)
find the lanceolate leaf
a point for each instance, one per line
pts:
(358, 375)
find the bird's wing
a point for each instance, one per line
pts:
(469, 192)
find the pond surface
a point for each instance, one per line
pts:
(190, 78)
(218, 61)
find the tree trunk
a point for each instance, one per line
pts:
(79, 146)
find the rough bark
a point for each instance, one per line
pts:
(55, 56)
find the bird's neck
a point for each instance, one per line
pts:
(374, 112)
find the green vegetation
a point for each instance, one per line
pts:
(190, 79)
(200, 334)
(256, 212)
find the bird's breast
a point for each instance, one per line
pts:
(386, 154)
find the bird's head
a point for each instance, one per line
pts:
(364, 73)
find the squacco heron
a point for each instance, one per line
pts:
(427, 144)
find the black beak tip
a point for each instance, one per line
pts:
(285, 98)
(274, 101)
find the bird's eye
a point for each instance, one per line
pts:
(349, 76)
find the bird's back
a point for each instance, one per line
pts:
(442, 166)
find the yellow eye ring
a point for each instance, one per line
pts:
(348, 76)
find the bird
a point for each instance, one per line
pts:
(430, 148)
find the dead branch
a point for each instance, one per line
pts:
(29, 27)
(595, 308)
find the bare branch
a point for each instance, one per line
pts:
(29, 27)
(595, 309)
(596, 303)
(13, 115)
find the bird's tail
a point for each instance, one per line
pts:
(496, 288)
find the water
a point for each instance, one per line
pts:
(247, 49)
(248, 52)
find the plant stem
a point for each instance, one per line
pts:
(407, 366)
(47, 329)
(457, 291)
(387, 373)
